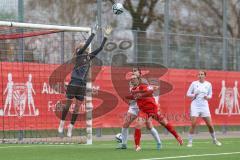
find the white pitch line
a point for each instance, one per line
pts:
(194, 155)
(20, 146)
(53, 145)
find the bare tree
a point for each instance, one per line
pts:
(207, 16)
(143, 14)
(67, 12)
(209, 20)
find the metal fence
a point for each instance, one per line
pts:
(189, 51)
(183, 51)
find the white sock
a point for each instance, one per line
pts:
(61, 126)
(70, 126)
(213, 136)
(190, 138)
(124, 135)
(155, 135)
(62, 122)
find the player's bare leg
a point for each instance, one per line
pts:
(191, 131)
(137, 134)
(163, 121)
(208, 122)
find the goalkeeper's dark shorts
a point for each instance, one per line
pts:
(76, 89)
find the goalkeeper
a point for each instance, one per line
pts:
(76, 88)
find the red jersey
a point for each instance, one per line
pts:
(145, 104)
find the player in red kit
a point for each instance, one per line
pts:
(142, 120)
(143, 94)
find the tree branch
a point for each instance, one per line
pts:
(140, 6)
(220, 16)
(151, 12)
(128, 5)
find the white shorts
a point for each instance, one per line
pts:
(133, 109)
(200, 111)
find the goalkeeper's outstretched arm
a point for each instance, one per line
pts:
(107, 32)
(87, 43)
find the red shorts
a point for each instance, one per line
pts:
(149, 110)
(152, 112)
(141, 114)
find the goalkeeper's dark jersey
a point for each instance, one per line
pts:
(80, 71)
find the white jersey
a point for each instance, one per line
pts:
(202, 89)
(199, 105)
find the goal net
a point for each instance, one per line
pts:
(30, 92)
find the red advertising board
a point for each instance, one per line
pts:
(27, 100)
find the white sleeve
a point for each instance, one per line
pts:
(190, 92)
(150, 87)
(130, 86)
(209, 94)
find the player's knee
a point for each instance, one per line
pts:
(126, 125)
(163, 121)
(209, 125)
(194, 124)
(138, 126)
(149, 127)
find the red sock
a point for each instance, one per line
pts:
(171, 129)
(137, 136)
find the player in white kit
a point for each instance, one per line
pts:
(200, 92)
